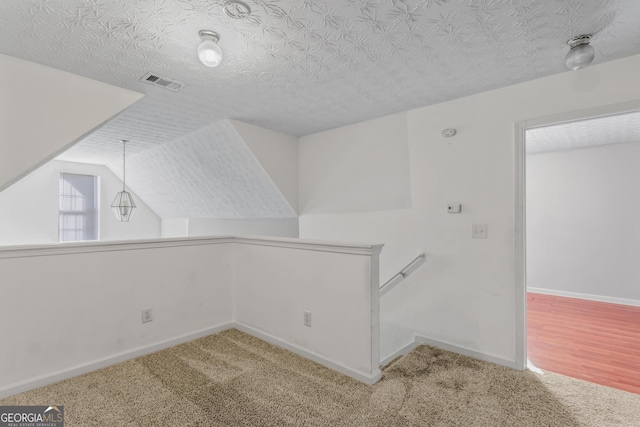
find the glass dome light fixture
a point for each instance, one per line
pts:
(581, 53)
(123, 205)
(209, 52)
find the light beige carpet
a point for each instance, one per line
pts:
(233, 379)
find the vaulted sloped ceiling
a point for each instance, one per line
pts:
(209, 173)
(33, 127)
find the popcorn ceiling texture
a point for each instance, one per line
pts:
(302, 66)
(209, 173)
(295, 66)
(584, 133)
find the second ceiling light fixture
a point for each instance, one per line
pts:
(209, 52)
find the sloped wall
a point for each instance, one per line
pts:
(43, 110)
(277, 154)
(209, 173)
(227, 178)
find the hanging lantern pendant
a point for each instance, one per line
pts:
(123, 205)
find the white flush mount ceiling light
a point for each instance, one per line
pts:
(209, 52)
(581, 53)
(236, 9)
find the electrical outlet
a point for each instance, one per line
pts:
(479, 231)
(147, 315)
(307, 318)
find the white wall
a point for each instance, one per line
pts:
(68, 309)
(63, 311)
(275, 285)
(174, 227)
(287, 227)
(29, 208)
(465, 294)
(371, 172)
(582, 213)
(277, 153)
(34, 126)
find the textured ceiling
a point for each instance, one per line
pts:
(584, 133)
(209, 173)
(302, 66)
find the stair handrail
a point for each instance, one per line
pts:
(403, 273)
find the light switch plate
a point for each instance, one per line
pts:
(307, 318)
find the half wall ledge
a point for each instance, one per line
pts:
(125, 245)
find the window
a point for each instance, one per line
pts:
(78, 220)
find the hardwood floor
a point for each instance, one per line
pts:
(590, 340)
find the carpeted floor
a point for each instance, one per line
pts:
(233, 379)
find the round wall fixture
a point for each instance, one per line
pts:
(448, 133)
(236, 9)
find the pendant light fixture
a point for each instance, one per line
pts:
(123, 205)
(581, 53)
(209, 52)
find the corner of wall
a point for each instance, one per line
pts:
(234, 254)
(277, 153)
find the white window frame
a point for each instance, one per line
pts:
(91, 213)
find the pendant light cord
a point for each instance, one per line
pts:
(124, 170)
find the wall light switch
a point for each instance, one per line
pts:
(479, 231)
(307, 318)
(454, 208)
(147, 315)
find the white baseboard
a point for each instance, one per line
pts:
(403, 351)
(103, 362)
(43, 380)
(466, 352)
(590, 297)
(350, 372)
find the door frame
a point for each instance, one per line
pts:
(520, 128)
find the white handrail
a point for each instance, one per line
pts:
(404, 272)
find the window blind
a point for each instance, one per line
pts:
(78, 217)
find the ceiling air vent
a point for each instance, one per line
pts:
(156, 80)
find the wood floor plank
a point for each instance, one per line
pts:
(589, 340)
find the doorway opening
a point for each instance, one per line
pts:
(580, 204)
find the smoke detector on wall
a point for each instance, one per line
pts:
(448, 133)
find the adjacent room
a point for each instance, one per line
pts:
(322, 213)
(582, 281)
